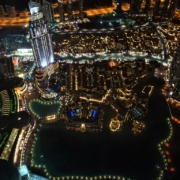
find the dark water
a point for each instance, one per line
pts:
(69, 153)
(43, 110)
(175, 144)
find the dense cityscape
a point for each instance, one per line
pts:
(90, 90)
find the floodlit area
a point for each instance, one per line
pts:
(8, 147)
(90, 95)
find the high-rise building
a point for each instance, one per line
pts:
(10, 11)
(157, 7)
(119, 4)
(132, 6)
(2, 13)
(7, 67)
(61, 10)
(165, 7)
(135, 6)
(147, 6)
(48, 11)
(81, 8)
(69, 9)
(41, 45)
(40, 37)
(172, 7)
(139, 6)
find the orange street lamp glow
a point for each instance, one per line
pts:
(172, 169)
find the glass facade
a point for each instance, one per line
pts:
(40, 37)
(61, 10)
(69, 9)
(48, 11)
(81, 8)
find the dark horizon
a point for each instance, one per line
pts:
(23, 4)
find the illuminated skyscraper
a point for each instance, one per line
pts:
(69, 9)
(40, 37)
(48, 11)
(61, 10)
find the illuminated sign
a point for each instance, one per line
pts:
(51, 117)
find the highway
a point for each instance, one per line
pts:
(24, 20)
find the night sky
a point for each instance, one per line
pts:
(23, 4)
(19, 4)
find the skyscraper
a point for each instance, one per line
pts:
(61, 10)
(157, 7)
(40, 37)
(2, 13)
(81, 8)
(42, 46)
(10, 11)
(7, 67)
(165, 7)
(48, 11)
(147, 6)
(133, 6)
(69, 9)
(172, 6)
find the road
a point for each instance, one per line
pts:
(109, 57)
(23, 21)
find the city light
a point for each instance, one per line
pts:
(89, 75)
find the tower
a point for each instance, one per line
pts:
(132, 6)
(69, 9)
(157, 6)
(81, 8)
(41, 45)
(147, 6)
(40, 37)
(165, 7)
(135, 6)
(61, 10)
(2, 13)
(172, 7)
(10, 11)
(7, 67)
(48, 11)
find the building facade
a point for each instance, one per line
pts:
(69, 9)
(135, 6)
(61, 10)
(10, 11)
(81, 8)
(7, 67)
(40, 37)
(2, 13)
(48, 11)
(172, 7)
